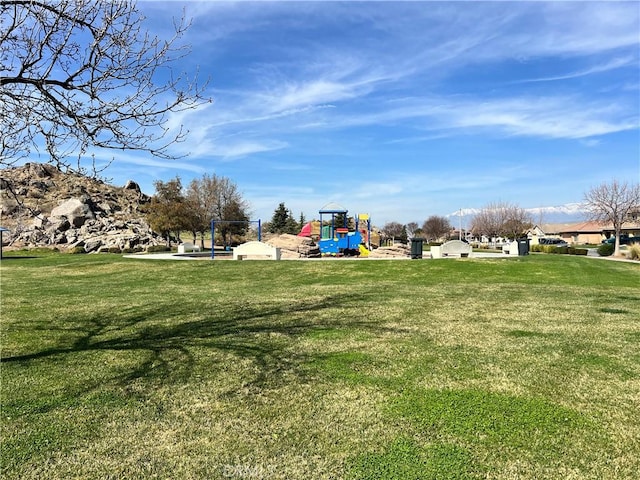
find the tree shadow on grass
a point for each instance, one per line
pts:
(170, 351)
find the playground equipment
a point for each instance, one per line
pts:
(339, 240)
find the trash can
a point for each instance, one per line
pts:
(523, 246)
(416, 247)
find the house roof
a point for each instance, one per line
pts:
(581, 227)
(584, 227)
(551, 228)
(595, 227)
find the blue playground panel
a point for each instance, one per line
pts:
(347, 243)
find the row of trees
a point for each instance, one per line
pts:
(174, 209)
(612, 202)
(498, 219)
(433, 228)
(501, 219)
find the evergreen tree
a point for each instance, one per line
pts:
(278, 223)
(404, 235)
(291, 226)
(339, 220)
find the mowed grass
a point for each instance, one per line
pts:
(520, 368)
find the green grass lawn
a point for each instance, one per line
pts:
(518, 368)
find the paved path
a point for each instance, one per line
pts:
(182, 256)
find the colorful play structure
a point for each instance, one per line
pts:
(338, 240)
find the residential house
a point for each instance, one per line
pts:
(580, 233)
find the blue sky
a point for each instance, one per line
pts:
(405, 109)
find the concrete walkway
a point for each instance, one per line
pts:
(168, 256)
(426, 256)
(207, 256)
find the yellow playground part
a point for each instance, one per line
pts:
(364, 252)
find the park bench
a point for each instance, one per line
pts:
(452, 248)
(256, 250)
(187, 247)
(510, 248)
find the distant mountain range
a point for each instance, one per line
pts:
(567, 213)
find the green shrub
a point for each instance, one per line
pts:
(558, 250)
(606, 249)
(137, 249)
(157, 248)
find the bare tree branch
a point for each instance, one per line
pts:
(81, 74)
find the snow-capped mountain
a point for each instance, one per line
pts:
(567, 213)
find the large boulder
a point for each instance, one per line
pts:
(75, 210)
(394, 251)
(293, 246)
(131, 185)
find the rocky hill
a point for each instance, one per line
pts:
(43, 206)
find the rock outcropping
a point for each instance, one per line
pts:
(293, 246)
(394, 251)
(42, 206)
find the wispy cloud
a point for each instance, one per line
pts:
(234, 150)
(552, 117)
(304, 90)
(605, 67)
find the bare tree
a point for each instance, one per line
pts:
(435, 227)
(613, 202)
(412, 228)
(218, 198)
(501, 219)
(516, 222)
(392, 230)
(196, 197)
(83, 73)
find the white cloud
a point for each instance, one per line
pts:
(551, 117)
(233, 150)
(604, 67)
(544, 117)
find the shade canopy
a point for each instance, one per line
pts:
(333, 208)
